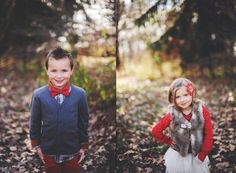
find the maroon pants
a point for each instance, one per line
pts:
(70, 166)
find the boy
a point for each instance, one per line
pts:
(59, 117)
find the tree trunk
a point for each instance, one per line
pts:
(117, 17)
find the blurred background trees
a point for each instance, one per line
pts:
(27, 24)
(30, 28)
(201, 33)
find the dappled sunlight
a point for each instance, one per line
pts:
(144, 72)
(146, 68)
(142, 68)
(93, 62)
(171, 69)
(130, 84)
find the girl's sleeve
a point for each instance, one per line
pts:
(35, 121)
(158, 129)
(208, 136)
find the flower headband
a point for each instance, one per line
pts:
(190, 89)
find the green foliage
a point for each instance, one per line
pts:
(161, 148)
(42, 80)
(107, 50)
(207, 72)
(82, 79)
(104, 34)
(157, 59)
(232, 98)
(107, 85)
(22, 67)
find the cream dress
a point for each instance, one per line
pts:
(175, 163)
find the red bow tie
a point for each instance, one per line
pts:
(55, 91)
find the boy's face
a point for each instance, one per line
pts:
(59, 71)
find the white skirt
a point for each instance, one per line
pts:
(175, 163)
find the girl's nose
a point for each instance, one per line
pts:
(182, 99)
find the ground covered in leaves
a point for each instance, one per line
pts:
(121, 144)
(140, 104)
(16, 155)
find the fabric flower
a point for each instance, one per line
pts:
(190, 89)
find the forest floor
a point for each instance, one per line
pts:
(119, 142)
(140, 104)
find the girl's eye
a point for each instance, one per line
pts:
(53, 71)
(185, 95)
(64, 70)
(177, 97)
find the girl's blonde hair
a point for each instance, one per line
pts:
(178, 83)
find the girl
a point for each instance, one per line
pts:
(190, 130)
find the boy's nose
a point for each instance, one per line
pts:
(58, 75)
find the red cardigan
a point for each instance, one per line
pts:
(158, 129)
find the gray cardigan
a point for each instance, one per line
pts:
(60, 129)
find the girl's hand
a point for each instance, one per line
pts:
(82, 155)
(40, 154)
(173, 143)
(198, 161)
(174, 146)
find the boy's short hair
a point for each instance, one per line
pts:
(59, 53)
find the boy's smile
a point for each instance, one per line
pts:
(59, 72)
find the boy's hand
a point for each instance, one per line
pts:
(40, 154)
(82, 155)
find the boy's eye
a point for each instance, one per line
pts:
(64, 70)
(185, 94)
(53, 70)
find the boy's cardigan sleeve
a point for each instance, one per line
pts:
(83, 121)
(208, 136)
(35, 121)
(158, 129)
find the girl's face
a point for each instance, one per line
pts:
(183, 99)
(59, 72)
